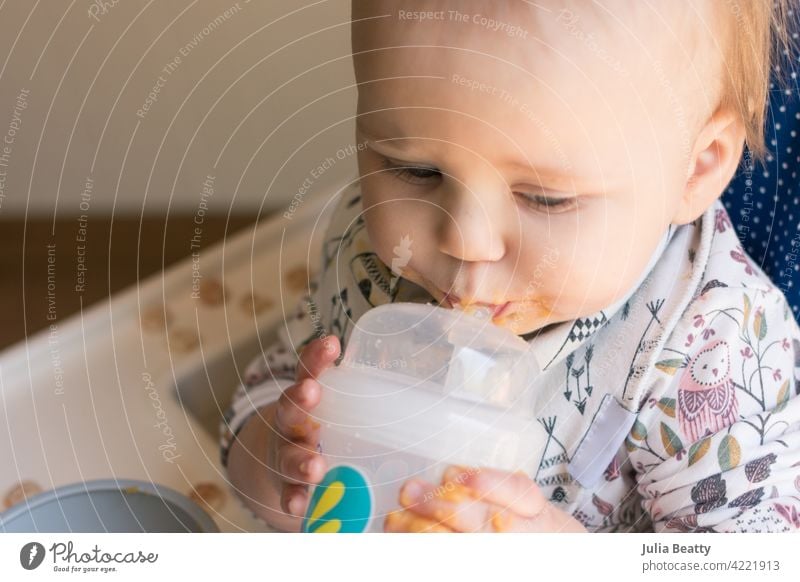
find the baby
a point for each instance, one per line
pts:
(560, 163)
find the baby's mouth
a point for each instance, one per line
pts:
(497, 309)
(452, 301)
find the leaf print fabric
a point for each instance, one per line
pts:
(729, 454)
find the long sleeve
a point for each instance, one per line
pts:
(716, 447)
(333, 302)
(271, 371)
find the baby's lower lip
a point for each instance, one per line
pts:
(501, 309)
(448, 298)
(498, 309)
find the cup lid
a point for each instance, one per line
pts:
(460, 354)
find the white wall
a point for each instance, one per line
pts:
(88, 66)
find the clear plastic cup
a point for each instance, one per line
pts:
(419, 387)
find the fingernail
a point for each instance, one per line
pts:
(296, 505)
(411, 493)
(307, 466)
(501, 522)
(457, 473)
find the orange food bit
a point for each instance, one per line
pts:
(297, 431)
(208, 495)
(255, 303)
(402, 520)
(456, 492)
(500, 522)
(459, 473)
(20, 492)
(211, 292)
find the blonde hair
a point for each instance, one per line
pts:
(761, 39)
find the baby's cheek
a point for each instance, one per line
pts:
(590, 292)
(609, 289)
(410, 274)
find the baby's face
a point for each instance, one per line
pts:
(538, 165)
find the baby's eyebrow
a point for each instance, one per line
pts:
(361, 127)
(399, 141)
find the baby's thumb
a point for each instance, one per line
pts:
(316, 356)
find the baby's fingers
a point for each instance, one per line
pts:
(316, 356)
(514, 491)
(299, 468)
(300, 465)
(460, 510)
(291, 415)
(294, 499)
(455, 508)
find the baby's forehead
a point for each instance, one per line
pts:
(603, 36)
(583, 85)
(624, 54)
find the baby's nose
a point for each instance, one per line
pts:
(468, 232)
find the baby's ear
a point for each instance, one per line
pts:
(714, 159)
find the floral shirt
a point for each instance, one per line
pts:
(675, 409)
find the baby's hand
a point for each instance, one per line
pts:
(478, 500)
(294, 455)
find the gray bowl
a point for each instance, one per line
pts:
(107, 505)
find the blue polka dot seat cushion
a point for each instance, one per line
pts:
(764, 200)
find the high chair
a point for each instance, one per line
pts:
(134, 387)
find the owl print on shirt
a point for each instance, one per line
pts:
(706, 396)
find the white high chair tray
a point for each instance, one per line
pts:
(103, 395)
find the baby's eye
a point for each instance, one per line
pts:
(546, 203)
(410, 173)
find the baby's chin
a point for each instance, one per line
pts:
(523, 317)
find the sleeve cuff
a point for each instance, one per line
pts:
(244, 405)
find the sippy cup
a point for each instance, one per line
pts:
(419, 387)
